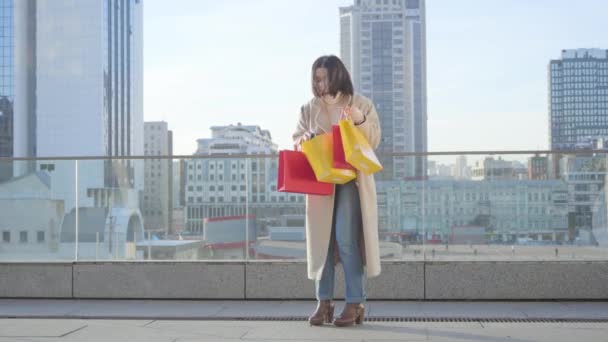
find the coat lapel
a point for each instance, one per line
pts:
(322, 123)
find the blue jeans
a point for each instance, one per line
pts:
(346, 230)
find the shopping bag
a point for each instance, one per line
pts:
(296, 175)
(339, 159)
(357, 150)
(319, 152)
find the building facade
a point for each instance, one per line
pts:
(538, 167)
(503, 207)
(586, 177)
(498, 169)
(228, 180)
(157, 206)
(77, 92)
(383, 44)
(578, 98)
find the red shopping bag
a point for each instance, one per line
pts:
(296, 175)
(339, 158)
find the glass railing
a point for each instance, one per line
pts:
(492, 205)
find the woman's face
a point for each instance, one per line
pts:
(321, 81)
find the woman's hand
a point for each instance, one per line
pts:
(354, 114)
(305, 137)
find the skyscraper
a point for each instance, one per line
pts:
(383, 44)
(7, 86)
(578, 99)
(76, 89)
(158, 190)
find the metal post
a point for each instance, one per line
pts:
(149, 247)
(115, 244)
(76, 233)
(96, 245)
(247, 170)
(423, 213)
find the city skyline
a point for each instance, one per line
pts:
(486, 76)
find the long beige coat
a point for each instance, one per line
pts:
(319, 209)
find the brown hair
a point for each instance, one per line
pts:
(338, 78)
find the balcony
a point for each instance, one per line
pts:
(462, 258)
(517, 232)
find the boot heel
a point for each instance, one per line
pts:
(330, 315)
(360, 317)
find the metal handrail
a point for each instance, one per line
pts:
(274, 155)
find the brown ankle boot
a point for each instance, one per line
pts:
(352, 313)
(323, 314)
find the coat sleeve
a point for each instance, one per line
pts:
(371, 126)
(302, 128)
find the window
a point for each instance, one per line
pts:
(23, 236)
(40, 236)
(48, 167)
(6, 236)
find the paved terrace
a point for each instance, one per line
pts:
(171, 321)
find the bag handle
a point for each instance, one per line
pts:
(345, 113)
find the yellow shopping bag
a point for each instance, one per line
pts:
(320, 154)
(357, 150)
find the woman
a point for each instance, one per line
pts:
(342, 227)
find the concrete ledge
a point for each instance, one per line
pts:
(285, 280)
(278, 280)
(489, 280)
(185, 280)
(398, 280)
(517, 280)
(36, 280)
(288, 280)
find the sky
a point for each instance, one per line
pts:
(209, 63)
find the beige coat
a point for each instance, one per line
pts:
(319, 209)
